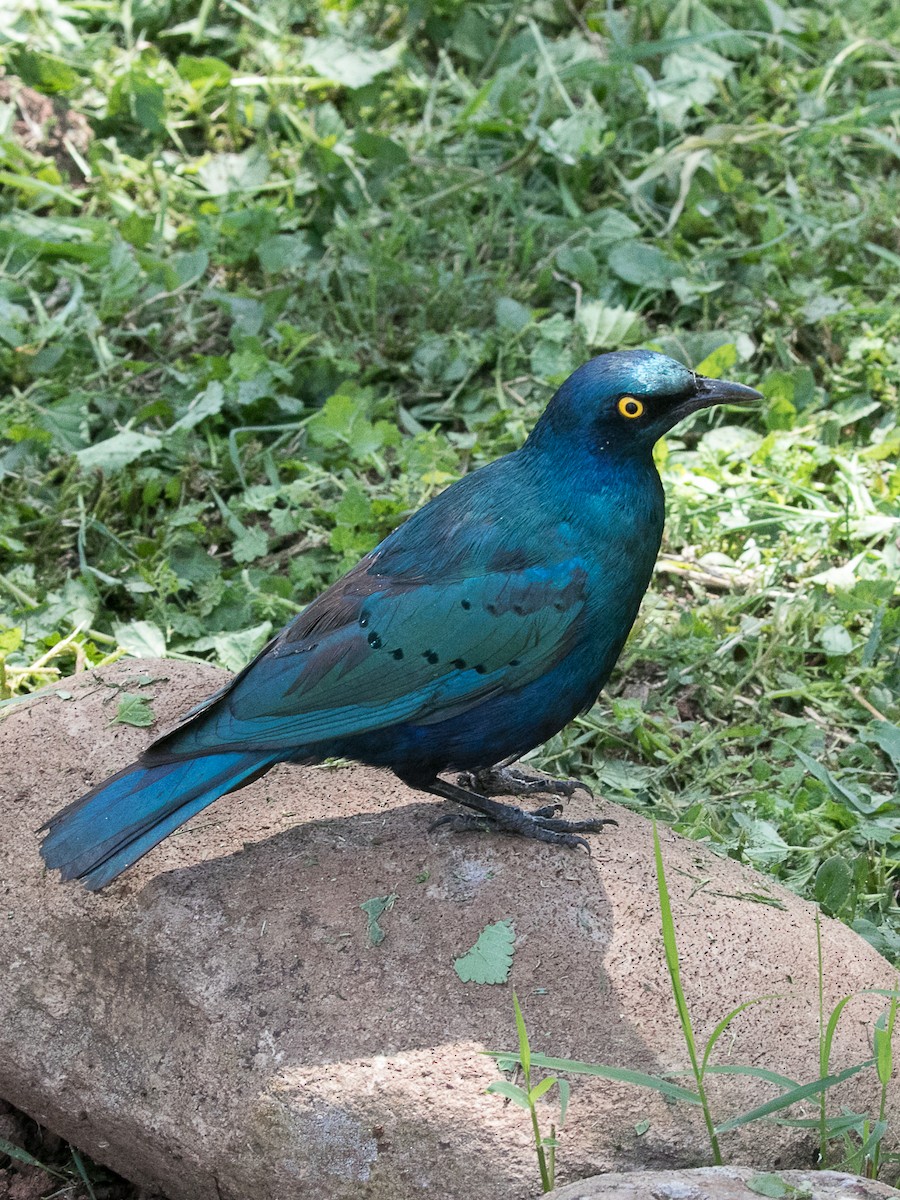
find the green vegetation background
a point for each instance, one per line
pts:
(274, 274)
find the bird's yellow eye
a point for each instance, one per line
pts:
(631, 408)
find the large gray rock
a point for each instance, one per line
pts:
(725, 1183)
(216, 1024)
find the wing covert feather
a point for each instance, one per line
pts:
(396, 653)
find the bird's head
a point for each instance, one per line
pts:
(622, 403)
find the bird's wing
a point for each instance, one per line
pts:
(375, 650)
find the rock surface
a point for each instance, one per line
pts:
(725, 1183)
(216, 1026)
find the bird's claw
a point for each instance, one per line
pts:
(543, 825)
(510, 781)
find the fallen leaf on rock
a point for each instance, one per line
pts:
(490, 959)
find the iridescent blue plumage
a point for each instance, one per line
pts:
(471, 634)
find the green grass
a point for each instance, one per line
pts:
(314, 263)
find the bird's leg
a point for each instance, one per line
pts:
(507, 780)
(542, 824)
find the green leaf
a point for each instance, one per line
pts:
(374, 909)
(644, 265)
(503, 1087)
(601, 1071)
(44, 72)
(11, 638)
(770, 1185)
(511, 315)
(836, 641)
(205, 404)
(252, 544)
(887, 736)
(117, 451)
(207, 70)
(225, 173)
(142, 639)
(721, 360)
(839, 790)
(541, 1088)
(134, 710)
(349, 65)
(793, 1097)
(284, 252)
(884, 1050)
(522, 1034)
(490, 959)
(22, 1156)
(834, 881)
(606, 326)
(234, 650)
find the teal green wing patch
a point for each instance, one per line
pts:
(399, 653)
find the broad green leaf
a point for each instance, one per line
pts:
(205, 404)
(490, 959)
(10, 638)
(209, 71)
(638, 263)
(887, 736)
(134, 710)
(142, 639)
(607, 327)
(117, 451)
(225, 173)
(252, 544)
(720, 361)
(836, 641)
(344, 63)
(770, 1185)
(834, 881)
(511, 315)
(234, 650)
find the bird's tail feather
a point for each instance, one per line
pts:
(114, 825)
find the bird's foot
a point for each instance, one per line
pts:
(543, 824)
(511, 781)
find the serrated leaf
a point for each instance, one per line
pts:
(490, 959)
(134, 710)
(252, 544)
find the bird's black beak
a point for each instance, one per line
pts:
(708, 392)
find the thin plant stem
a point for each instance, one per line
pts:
(684, 1016)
